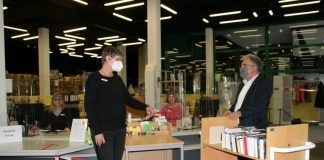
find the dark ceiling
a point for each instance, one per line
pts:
(60, 15)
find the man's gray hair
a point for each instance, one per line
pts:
(255, 59)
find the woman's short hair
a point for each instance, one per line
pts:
(111, 52)
(255, 59)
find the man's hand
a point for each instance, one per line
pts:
(100, 139)
(233, 115)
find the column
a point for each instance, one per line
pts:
(209, 61)
(123, 72)
(3, 96)
(142, 61)
(43, 62)
(153, 67)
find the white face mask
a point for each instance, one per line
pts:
(117, 66)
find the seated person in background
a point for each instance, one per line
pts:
(56, 117)
(172, 111)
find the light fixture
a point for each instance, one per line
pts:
(71, 49)
(230, 43)
(304, 39)
(75, 37)
(305, 31)
(300, 13)
(81, 2)
(75, 45)
(222, 47)
(245, 31)
(114, 40)
(76, 55)
(253, 35)
(168, 9)
(303, 25)
(20, 35)
(255, 14)
(205, 20)
(63, 50)
(162, 58)
(224, 13)
(285, 1)
(65, 44)
(141, 39)
(14, 28)
(65, 38)
(234, 21)
(117, 2)
(108, 44)
(122, 17)
(75, 29)
(91, 54)
(198, 45)
(4, 7)
(30, 38)
(299, 4)
(132, 43)
(92, 48)
(270, 12)
(98, 45)
(105, 38)
(130, 6)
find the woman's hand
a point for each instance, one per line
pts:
(67, 129)
(100, 139)
(150, 110)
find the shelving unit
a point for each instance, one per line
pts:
(291, 137)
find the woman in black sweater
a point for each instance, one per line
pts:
(56, 117)
(105, 98)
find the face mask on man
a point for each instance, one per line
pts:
(117, 66)
(243, 72)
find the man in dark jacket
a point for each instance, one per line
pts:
(253, 96)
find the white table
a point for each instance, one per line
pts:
(46, 145)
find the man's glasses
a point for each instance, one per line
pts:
(247, 65)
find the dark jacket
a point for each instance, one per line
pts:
(255, 106)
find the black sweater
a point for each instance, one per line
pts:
(60, 122)
(105, 102)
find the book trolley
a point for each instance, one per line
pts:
(288, 142)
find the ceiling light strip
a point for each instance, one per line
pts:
(129, 6)
(141, 39)
(108, 44)
(245, 31)
(303, 25)
(75, 55)
(270, 12)
(65, 44)
(286, 1)
(14, 28)
(253, 35)
(30, 38)
(65, 38)
(4, 7)
(98, 45)
(91, 54)
(81, 2)
(20, 35)
(163, 18)
(301, 13)
(132, 43)
(300, 4)
(75, 45)
(92, 48)
(117, 2)
(122, 17)
(115, 40)
(75, 37)
(168, 9)
(234, 21)
(225, 13)
(255, 14)
(75, 29)
(105, 38)
(205, 20)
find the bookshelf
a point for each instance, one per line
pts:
(283, 137)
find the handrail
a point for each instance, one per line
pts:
(307, 147)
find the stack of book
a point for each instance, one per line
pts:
(245, 140)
